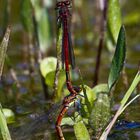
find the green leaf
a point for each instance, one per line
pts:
(101, 88)
(118, 59)
(3, 49)
(3, 126)
(87, 103)
(9, 115)
(81, 131)
(114, 18)
(48, 69)
(47, 65)
(49, 79)
(67, 121)
(100, 114)
(90, 94)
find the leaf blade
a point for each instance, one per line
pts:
(114, 18)
(80, 127)
(3, 48)
(3, 126)
(118, 59)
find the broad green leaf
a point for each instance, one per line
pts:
(3, 49)
(79, 126)
(26, 15)
(49, 79)
(81, 131)
(9, 115)
(118, 59)
(67, 121)
(3, 126)
(90, 94)
(48, 70)
(87, 104)
(48, 65)
(114, 18)
(100, 114)
(71, 121)
(101, 88)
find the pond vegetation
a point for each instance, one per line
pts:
(42, 87)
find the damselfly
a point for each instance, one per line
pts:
(67, 58)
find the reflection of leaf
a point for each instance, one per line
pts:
(3, 49)
(81, 131)
(114, 18)
(118, 59)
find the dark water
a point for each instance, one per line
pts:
(35, 117)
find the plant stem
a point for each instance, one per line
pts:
(58, 66)
(103, 7)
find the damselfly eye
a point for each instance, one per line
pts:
(67, 2)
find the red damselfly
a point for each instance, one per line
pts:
(67, 58)
(67, 49)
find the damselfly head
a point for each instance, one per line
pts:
(67, 2)
(63, 4)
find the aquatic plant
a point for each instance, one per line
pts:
(3, 48)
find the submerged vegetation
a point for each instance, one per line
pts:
(39, 91)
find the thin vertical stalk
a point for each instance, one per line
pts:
(31, 53)
(103, 7)
(58, 66)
